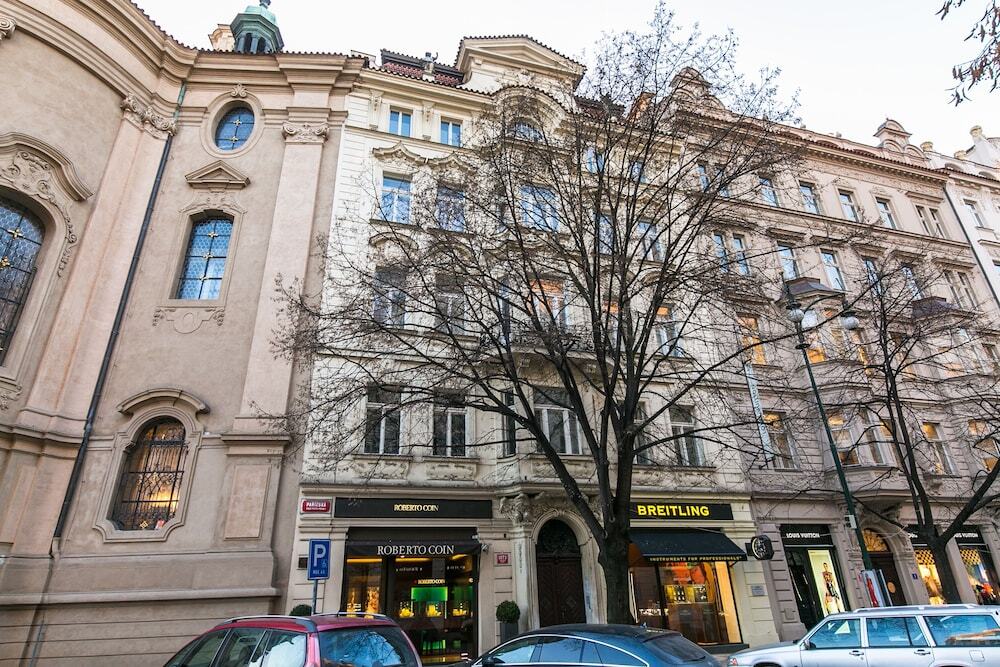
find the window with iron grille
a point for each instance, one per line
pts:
(150, 483)
(21, 236)
(205, 259)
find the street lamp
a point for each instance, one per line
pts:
(849, 321)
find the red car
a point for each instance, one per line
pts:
(324, 640)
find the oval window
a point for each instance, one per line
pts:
(234, 128)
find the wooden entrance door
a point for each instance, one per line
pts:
(559, 576)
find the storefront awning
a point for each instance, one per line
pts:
(408, 542)
(675, 545)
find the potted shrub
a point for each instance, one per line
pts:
(508, 614)
(301, 610)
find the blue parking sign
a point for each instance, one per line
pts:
(319, 559)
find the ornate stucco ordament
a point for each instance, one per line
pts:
(142, 116)
(305, 133)
(7, 25)
(33, 176)
(188, 320)
(238, 91)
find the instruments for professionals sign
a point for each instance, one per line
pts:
(671, 511)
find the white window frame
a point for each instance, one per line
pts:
(648, 232)
(961, 289)
(688, 445)
(809, 195)
(398, 131)
(767, 192)
(973, 208)
(544, 412)
(449, 208)
(939, 448)
(539, 208)
(447, 132)
(668, 340)
(390, 410)
(788, 260)
(849, 207)
(450, 304)
(392, 301)
(449, 409)
(885, 212)
(834, 274)
(731, 253)
(774, 422)
(399, 199)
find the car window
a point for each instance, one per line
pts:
(559, 649)
(838, 633)
(366, 647)
(602, 654)
(238, 650)
(200, 652)
(896, 631)
(676, 650)
(517, 652)
(280, 649)
(964, 630)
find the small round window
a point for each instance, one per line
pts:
(234, 128)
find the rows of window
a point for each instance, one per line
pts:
(401, 124)
(450, 433)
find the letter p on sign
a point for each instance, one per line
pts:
(319, 559)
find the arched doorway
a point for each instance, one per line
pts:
(560, 576)
(881, 556)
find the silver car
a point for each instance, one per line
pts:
(952, 635)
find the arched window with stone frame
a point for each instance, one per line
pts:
(21, 237)
(149, 486)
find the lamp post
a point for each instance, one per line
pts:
(849, 321)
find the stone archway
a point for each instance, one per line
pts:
(559, 571)
(882, 559)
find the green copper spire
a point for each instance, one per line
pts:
(255, 30)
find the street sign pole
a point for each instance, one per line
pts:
(319, 566)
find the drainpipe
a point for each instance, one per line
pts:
(109, 350)
(975, 250)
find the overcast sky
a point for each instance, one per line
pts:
(855, 62)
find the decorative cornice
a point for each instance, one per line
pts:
(305, 133)
(7, 25)
(143, 117)
(218, 176)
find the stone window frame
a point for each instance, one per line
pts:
(142, 409)
(218, 108)
(191, 215)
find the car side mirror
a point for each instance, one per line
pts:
(492, 661)
(809, 645)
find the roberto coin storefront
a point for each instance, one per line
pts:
(425, 578)
(681, 570)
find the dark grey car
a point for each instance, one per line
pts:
(592, 645)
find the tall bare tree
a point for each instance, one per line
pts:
(560, 274)
(921, 363)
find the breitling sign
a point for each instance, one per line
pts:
(682, 511)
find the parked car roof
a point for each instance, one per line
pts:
(599, 630)
(314, 623)
(918, 609)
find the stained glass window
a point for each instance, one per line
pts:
(234, 129)
(20, 240)
(205, 259)
(149, 487)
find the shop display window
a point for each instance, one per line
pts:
(432, 598)
(827, 583)
(694, 598)
(982, 573)
(929, 575)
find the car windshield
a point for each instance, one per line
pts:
(381, 646)
(676, 650)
